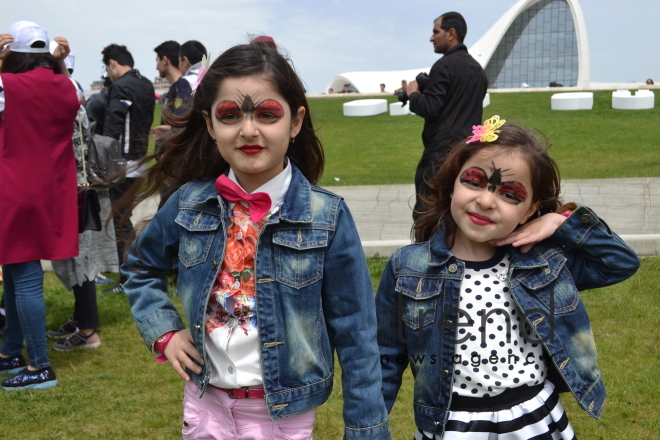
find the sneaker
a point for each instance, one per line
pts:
(78, 340)
(34, 380)
(12, 365)
(63, 331)
(102, 280)
(119, 288)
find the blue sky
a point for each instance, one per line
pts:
(325, 38)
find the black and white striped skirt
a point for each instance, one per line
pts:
(541, 417)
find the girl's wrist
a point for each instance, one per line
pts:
(162, 342)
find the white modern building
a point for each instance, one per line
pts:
(536, 42)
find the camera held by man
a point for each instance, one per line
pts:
(422, 79)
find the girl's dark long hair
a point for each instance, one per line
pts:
(512, 139)
(19, 62)
(192, 154)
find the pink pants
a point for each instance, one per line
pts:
(216, 416)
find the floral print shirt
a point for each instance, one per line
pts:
(232, 297)
(232, 338)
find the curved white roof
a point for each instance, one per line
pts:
(482, 51)
(369, 82)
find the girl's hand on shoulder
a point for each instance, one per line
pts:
(531, 233)
(181, 352)
(5, 39)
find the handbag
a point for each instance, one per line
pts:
(89, 207)
(106, 163)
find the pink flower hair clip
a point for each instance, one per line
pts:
(206, 63)
(488, 131)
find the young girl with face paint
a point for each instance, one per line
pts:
(271, 273)
(485, 308)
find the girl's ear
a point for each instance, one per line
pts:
(209, 124)
(296, 121)
(532, 209)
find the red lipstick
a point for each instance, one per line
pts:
(480, 220)
(251, 149)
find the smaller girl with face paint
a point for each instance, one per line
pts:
(271, 273)
(485, 307)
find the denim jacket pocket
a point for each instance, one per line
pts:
(420, 299)
(299, 256)
(198, 230)
(553, 285)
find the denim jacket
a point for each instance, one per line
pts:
(313, 296)
(418, 299)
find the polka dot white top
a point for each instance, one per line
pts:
(502, 354)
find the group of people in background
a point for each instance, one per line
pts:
(40, 214)
(272, 278)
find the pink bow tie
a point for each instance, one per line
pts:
(258, 203)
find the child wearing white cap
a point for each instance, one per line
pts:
(38, 106)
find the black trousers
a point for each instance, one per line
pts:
(428, 166)
(85, 311)
(123, 230)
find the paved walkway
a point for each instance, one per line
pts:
(383, 213)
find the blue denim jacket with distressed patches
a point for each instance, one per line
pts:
(313, 296)
(417, 307)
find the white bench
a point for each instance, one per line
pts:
(572, 101)
(396, 109)
(365, 107)
(486, 102)
(624, 100)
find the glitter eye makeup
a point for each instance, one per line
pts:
(515, 191)
(269, 111)
(270, 106)
(226, 108)
(477, 178)
(474, 176)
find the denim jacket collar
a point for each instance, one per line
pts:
(298, 212)
(439, 255)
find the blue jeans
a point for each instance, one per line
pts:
(25, 311)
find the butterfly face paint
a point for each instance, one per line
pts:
(270, 106)
(226, 111)
(477, 178)
(268, 111)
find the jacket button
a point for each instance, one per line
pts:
(453, 268)
(585, 218)
(198, 328)
(214, 264)
(445, 374)
(436, 423)
(448, 324)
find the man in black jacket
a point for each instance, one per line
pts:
(97, 104)
(130, 112)
(451, 103)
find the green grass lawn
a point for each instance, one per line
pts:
(117, 391)
(587, 144)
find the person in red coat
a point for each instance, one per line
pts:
(38, 201)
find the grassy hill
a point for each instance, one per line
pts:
(587, 144)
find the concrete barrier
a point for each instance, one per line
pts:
(624, 100)
(572, 101)
(365, 107)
